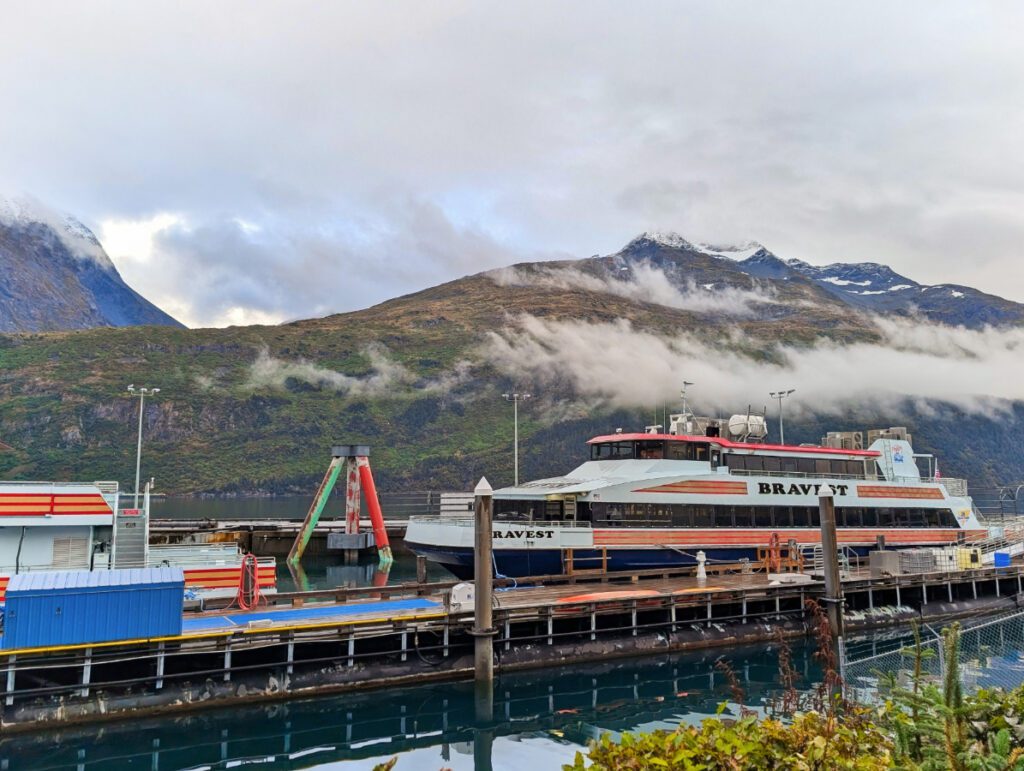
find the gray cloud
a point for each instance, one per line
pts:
(648, 284)
(386, 376)
(408, 144)
(287, 270)
(982, 371)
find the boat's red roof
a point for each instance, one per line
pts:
(721, 442)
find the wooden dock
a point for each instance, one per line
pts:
(305, 643)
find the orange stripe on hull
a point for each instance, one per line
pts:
(761, 537)
(920, 493)
(695, 488)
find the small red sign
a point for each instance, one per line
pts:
(131, 512)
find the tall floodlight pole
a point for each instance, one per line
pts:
(515, 399)
(780, 395)
(141, 393)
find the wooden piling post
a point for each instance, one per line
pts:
(830, 549)
(421, 569)
(483, 587)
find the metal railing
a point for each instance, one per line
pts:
(985, 651)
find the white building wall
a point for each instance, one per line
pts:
(37, 552)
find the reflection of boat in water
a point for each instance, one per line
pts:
(571, 703)
(82, 526)
(652, 500)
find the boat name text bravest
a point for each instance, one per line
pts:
(778, 488)
(522, 534)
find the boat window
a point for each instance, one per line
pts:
(681, 516)
(783, 516)
(762, 516)
(870, 516)
(789, 465)
(772, 463)
(553, 511)
(822, 466)
(677, 451)
(524, 510)
(743, 516)
(583, 512)
(805, 465)
(701, 451)
(753, 463)
(616, 514)
(648, 450)
(703, 516)
(660, 515)
(611, 451)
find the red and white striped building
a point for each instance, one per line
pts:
(80, 526)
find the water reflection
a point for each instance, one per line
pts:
(328, 572)
(545, 715)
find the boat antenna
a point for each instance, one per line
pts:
(682, 394)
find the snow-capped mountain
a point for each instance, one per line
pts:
(54, 275)
(868, 286)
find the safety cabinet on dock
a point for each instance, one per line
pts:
(72, 607)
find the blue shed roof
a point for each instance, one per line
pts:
(94, 579)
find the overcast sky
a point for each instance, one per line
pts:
(259, 161)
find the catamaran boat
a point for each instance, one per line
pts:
(82, 526)
(653, 500)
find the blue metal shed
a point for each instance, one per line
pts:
(82, 606)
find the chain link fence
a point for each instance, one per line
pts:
(991, 655)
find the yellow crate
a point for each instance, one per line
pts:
(968, 557)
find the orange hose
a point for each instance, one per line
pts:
(249, 570)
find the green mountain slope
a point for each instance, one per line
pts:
(256, 409)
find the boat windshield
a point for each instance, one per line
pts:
(647, 449)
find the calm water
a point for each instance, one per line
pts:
(541, 719)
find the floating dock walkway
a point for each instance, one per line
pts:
(309, 643)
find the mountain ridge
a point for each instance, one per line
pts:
(55, 275)
(253, 410)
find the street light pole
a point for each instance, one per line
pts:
(780, 395)
(515, 399)
(141, 393)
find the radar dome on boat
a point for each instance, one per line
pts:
(744, 426)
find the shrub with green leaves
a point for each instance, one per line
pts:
(810, 742)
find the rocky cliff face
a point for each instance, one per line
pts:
(54, 275)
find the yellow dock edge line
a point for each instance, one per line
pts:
(218, 633)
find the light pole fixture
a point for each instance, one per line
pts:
(515, 398)
(780, 395)
(141, 393)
